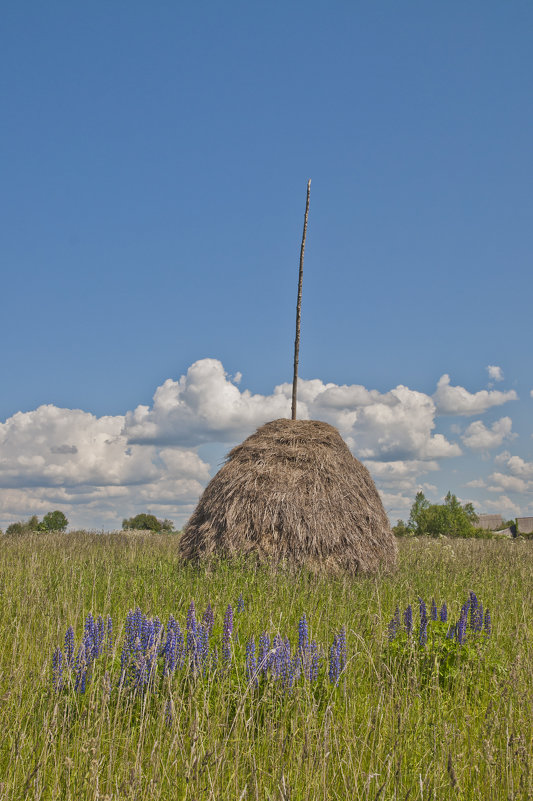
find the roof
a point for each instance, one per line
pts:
(490, 522)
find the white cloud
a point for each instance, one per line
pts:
(508, 483)
(70, 459)
(503, 504)
(206, 406)
(476, 483)
(516, 465)
(478, 437)
(459, 401)
(495, 373)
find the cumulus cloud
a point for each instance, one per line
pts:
(515, 465)
(504, 504)
(501, 481)
(495, 373)
(459, 401)
(478, 437)
(476, 483)
(205, 406)
(70, 458)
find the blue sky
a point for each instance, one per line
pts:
(154, 165)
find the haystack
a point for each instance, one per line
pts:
(293, 493)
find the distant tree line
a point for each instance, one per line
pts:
(53, 521)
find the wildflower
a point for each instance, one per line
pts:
(69, 646)
(81, 670)
(226, 634)
(423, 634)
(408, 620)
(473, 604)
(57, 669)
(240, 604)
(433, 614)
(263, 657)
(341, 645)
(99, 634)
(191, 617)
(394, 624)
(208, 618)
(303, 634)
(334, 666)
(461, 627)
(477, 619)
(109, 643)
(422, 609)
(251, 665)
(444, 613)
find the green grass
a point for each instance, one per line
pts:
(384, 733)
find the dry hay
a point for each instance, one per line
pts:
(292, 493)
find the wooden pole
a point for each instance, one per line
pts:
(299, 306)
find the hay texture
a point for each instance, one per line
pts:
(292, 493)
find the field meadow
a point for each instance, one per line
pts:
(390, 729)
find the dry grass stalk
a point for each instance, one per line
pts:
(292, 493)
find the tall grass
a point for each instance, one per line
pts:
(381, 733)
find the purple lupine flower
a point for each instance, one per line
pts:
(285, 663)
(202, 646)
(433, 613)
(208, 618)
(444, 613)
(158, 634)
(240, 604)
(341, 646)
(422, 609)
(81, 670)
(452, 631)
(69, 646)
(473, 603)
(170, 655)
(461, 627)
(477, 622)
(251, 665)
(303, 634)
(334, 666)
(277, 656)
(408, 620)
(137, 621)
(226, 634)
(57, 669)
(487, 625)
(264, 658)
(423, 634)
(99, 636)
(191, 617)
(294, 667)
(394, 624)
(109, 643)
(89, 638)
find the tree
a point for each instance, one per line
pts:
(449, 519)
(417, 512)
(54, 521)
(146, 522)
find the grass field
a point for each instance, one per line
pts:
(387, 731)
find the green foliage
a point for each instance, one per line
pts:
(442, 659)
(449, 519)
(54, 521)
(146, 522)
(402, 530)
